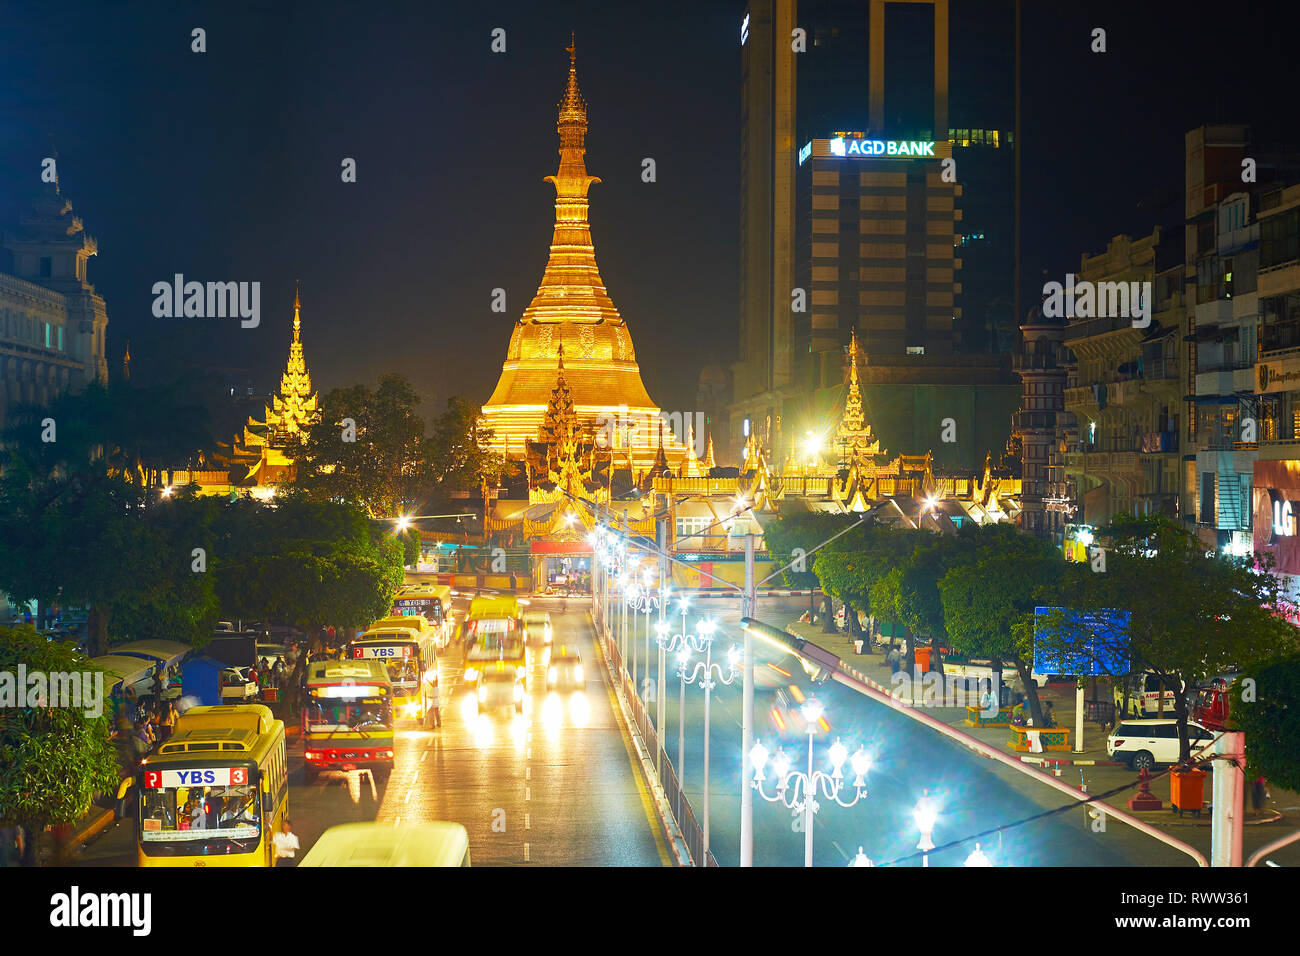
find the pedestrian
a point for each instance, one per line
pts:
(1258, 793)
(435, 705)
(895, 660)
(286, 845)
(168, 722)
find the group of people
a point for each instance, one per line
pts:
(141, 726)
(267, 674)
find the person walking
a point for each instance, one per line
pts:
(286, 845)
(435, 706)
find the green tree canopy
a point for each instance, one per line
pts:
(53, 760)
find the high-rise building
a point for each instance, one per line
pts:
(1043, 425)
(52, 322)
(871, 238)
(572, 310)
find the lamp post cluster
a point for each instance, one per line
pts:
(707, 674)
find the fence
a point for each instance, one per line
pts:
(678, 804)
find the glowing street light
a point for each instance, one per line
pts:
(797, 790)
(977, 858)
(925, 815)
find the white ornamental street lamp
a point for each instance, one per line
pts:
(708, 675)
(925, 815)
(797, 790)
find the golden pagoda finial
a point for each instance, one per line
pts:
(709, 463)
(126, 362)
(297, 307)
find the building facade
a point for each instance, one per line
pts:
(52, 322)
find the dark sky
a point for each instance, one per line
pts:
(225, 165)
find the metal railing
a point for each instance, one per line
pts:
(678, 803)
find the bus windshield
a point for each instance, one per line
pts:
(187, 821)
(497, 645)
(401, 660)
(343, 716)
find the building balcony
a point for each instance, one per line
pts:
(1031, 420)
(1159, 442)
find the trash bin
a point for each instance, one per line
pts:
(1187, 790)
(923, 659)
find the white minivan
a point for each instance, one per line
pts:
(1144, 743)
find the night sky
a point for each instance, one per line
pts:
(226, 165)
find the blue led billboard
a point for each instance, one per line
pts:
(1081, 643)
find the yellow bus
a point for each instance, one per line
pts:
(494, 632)
(348, 721)
(385, 844)
(431, 602)
(406, 647)
(216, 792)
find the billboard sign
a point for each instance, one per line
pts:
(1089, 643)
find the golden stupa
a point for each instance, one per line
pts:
(572, 310)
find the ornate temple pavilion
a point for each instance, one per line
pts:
(573, 310)
(256, 460)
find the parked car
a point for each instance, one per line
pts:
(236, 684)
(1144, 743)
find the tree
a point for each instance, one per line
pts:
(1270, 718)
(989, 598)
(369, 448)
(850, 567)
(1192, 614)
(458, 456)
(53, 760)
(306, 563)
(796, 536)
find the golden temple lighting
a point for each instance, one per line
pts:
(572, 314)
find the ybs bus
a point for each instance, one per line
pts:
(348, 721)
(494, 632)
(216, 792)
(405, 646)
(429, 601)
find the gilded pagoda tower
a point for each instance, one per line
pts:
(572, 309)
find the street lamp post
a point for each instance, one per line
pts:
(708, 675)
(925, 815)
(798, 790)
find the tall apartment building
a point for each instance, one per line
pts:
(857, 226)
(1276, 476)
(1044, 426)
(1127, 393)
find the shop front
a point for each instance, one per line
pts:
(1276, 500)
(561, 567)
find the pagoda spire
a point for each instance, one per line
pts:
(854, 432)
(295, 408)
(709, 462)
(126, 362)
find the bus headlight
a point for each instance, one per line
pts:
(577, 672)
(521, 672)
(519, 692)
(471, 675)
(482, 692)
(412, 710)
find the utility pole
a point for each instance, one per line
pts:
(748, 608)
(1228, 786)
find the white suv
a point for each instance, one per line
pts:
(1145, 743)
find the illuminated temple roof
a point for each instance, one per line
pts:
(573, 310)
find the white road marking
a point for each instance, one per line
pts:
(528, 793)
(528, 821)
(528, 773)
(525, 852)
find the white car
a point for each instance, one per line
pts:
(1144, 743)
(236, 685)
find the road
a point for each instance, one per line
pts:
(973, 793)
(555, 787)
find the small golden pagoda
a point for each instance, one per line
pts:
(256, 460)
(572, 306)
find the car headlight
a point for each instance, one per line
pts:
(553, 675)
(471, 674)
(521, 672)
(482, 692)
(577, 672)
(412, 710)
